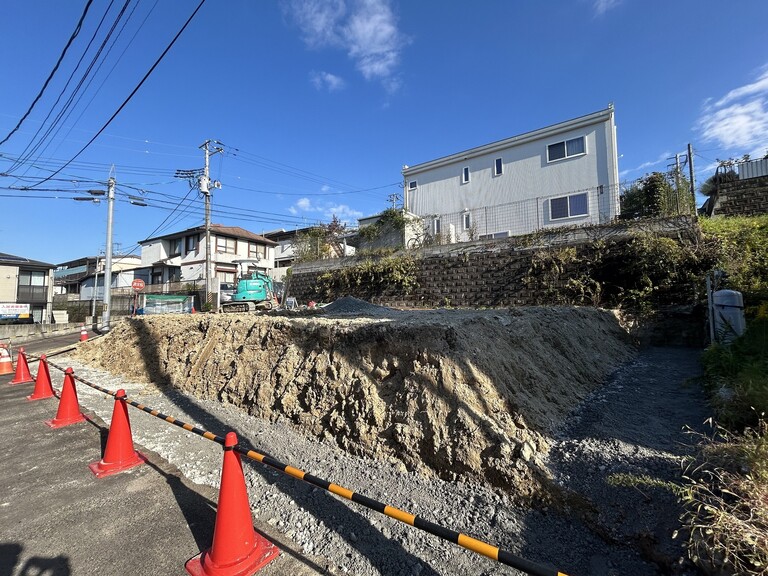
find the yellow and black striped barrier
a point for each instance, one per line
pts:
(493, 552)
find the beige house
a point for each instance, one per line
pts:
(26, 290)
(180, 257)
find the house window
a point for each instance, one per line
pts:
(498, 167)
(436, 226)
(412, 185)
(256, 250)
(566, 149)
(467, 220)
(190, 243)
(568, 206)
(32, 286)
(465, 175)
(175, 248)
(226, 245)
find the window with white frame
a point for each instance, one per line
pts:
(465, 175)
(566, 149)
(436, 226)
(257, 250)
(175, 247)
(226, 245)
(568, 206)
(498, 167)
(412, 185)
(466, 220)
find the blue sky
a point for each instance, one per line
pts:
(319, 104)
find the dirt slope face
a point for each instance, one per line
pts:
(457, 393)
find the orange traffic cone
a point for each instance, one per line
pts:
(119, 454)
(83, 333)
(6, 362)
(22, 369)
(193, 309)
(69, 409)
(43, 388)
(237, 549)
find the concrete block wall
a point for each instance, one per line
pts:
(743, 198)
(484, 274)
(471, 279)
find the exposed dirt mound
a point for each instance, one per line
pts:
(473, 393)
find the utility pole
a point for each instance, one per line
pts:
(677, 181)
(95, 287)
(108, 259)
(693, 178)
(205, 189)
(394, 198)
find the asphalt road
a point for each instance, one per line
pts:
(57, 519)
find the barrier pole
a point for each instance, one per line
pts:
(467, 542)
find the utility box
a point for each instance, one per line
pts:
(728, 307)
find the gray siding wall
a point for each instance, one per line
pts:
(521, 193)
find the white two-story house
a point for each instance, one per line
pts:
(180, 257)
(564, 174)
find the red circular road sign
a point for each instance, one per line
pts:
(137, 284)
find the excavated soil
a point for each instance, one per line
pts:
(461, 394)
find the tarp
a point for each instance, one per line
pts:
(167, 304)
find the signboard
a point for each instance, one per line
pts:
(13, 311)
(137, 284)
(168, 304)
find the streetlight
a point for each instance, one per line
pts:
(110, 193)
(108, 262)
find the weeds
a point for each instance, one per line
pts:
(737, 376)
(726, 501)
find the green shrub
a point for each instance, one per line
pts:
(741, 248)
(737, 375)
(371, 277)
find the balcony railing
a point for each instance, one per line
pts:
(32, 294)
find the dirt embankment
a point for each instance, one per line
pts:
(468, 393)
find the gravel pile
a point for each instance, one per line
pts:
(351, 306)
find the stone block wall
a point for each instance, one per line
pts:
(480, 274)
(743, 198)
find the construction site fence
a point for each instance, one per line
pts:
(493, 552)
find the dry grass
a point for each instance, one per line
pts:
(726, 502)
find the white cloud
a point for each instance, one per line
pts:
(602, 6)
(366, 29)
(661, 158)
(758, 87)
(326, 81)
(322, 210)
(738, 121)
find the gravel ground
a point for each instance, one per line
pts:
(633, 424)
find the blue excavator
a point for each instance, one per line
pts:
(254, 292)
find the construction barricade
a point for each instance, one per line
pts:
(236, 548)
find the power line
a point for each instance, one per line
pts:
(85, 81)
(130, 96)
(53, 72)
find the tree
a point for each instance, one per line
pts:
(321, 241)
(654, 195)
